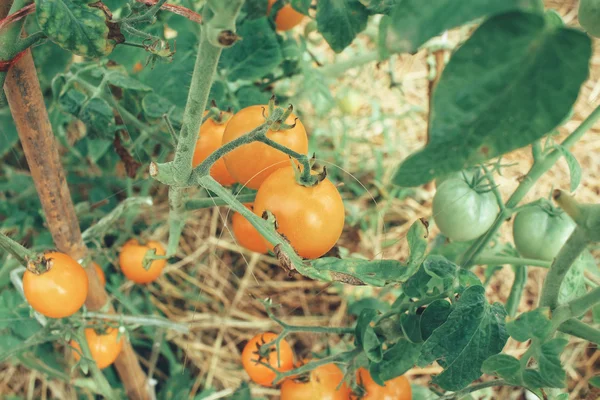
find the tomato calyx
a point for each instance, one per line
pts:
(310, 179)
(216, 114)
(279, 124)
(39, 264)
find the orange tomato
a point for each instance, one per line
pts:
(311, 218)
(246, 234)
(211, 136)
(100, 273)
(322, 384)
(394, 389)
(252, 163)
(286, 18)
(61, 290)
(105, 347)
(131, 261)
(284, 361)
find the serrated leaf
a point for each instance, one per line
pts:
(533, 379)
(493, 84)
(574, 167)
(595, 381)
(434, 316)
(126, 82)
(155, 106)
(366, 338)
(504, 366)
(254, 56)
(435, 276)
(466, 279)
(395, 361)
(551, 371)
(573, 284)
(417, 244)
(75, 26)
(72, 101)
(97, 115)
(372, 272)
(413, 24)
(339, 21)
(473, 332)
(531, 324)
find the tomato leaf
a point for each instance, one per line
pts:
(573, 285)
(574, 167)
(254, 56)
(365, 335)
(411, 327)
(434, 316)
(504, 366)
(551, 370)
(124, 81)
(255, 8)
(339, 21)
(251, 95)
(379, 6)
(398, 359)
(97, 115)
(413, 24)
(155, 106)
(75, 26)
(8, 132)
(530, 324)
(301, 5)
(473, 332)
(595, 381)
(371, 272)
(435, 276)
(484, 102)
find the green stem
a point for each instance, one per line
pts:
(302, 158)
(207, 202)
(103, 385)
(101, 228)
(336, 358)
(474, 388)
(15, 249)
(337, 69)
(539, 167)
(516, 291)
(567, 255)
(29, 41)
(502, 260)
(581, 305)
(147, 16)
(494, 188)
(581, 330)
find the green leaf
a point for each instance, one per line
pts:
(301, 5)
(573, 285)
(379, 6)
(372, 272)
(72, 101)
(574, 167)
(355, 308)
(504, 366)
(417, 244)
(155, 106)
(75, 26)
(255, 8)
(435, 276)
(530, 324)
(251, 95)
(242, 392)
(97, 148)
(498, 94)
(413, 24)
(549, 363)
(466, 279)
(366, 338)
(434, 316)
(126, 82)
(339, 21)
(411, 327)
(473, 332)
(398, 359)
(595, 381)
(254, 56)
(533, 379)
(97, 115)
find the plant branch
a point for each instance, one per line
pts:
(581, 330)
(145, 320)
(581, 305)
(516, 291)
(15, 249)
(505, 260)
(175, 9)
(207, 202)
(103, 385)
(474, 388)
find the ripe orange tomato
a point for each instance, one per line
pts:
(100, 273)
(251, 357)
(286, 18)
(394, 389)
(252, 163)
(322, 384)
(311, 218)
(211, 136)
(61, 290)
(246, 234)
(131, 261)
(105, 347)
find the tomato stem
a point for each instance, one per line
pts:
(505, 260)
(581, 330)
(103, 385)
(473, 388)
(516, 291)
(22, 254)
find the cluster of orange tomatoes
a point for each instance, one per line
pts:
(310, 217)
(323, 382)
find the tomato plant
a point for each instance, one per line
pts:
(541, 230)
(246, 235)
(324, 382)
(104, 346)
(463, 212)
(254, 356)
(131, 261)
(252, 163)
(311, 218)
(59, 288)
(211, 136)
(129, 121)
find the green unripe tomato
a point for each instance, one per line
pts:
(461, 212)
(589, 16)
(350, 102)
(540, 232)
